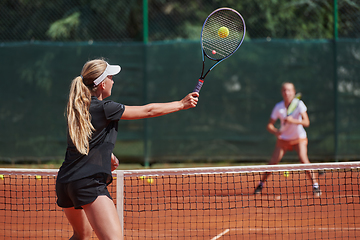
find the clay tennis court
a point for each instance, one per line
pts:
(216, 206)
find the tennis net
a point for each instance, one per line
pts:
(198, 203)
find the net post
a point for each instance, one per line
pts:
(120, 199)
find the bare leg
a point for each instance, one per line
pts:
(104, 219)
(302, 152)
(79, 222)
(275, 159)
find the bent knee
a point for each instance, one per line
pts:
(83, 235)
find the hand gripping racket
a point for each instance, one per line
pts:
(291, 108)
(222, 34)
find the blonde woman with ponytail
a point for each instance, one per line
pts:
(92, 121)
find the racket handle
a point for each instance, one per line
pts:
(198, 85)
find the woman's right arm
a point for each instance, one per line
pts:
(271, 127)
(159, 109)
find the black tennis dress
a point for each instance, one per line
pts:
(105, 116)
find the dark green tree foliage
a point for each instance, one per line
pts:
(107, 20)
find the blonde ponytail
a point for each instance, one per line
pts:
(78, 116)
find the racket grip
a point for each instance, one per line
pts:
(198, 85)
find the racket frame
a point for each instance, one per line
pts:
(296, 101)
(202, 76)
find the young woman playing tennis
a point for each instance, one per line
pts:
(292, 135)
(81, 185)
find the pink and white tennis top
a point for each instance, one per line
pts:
(289, 131)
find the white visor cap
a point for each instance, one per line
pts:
(109, 71)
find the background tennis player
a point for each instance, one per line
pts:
(81, 184)
(291, 135)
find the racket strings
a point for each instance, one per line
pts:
(215, 46)
(294, 103)
(212, 41)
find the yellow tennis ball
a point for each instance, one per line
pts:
(150, 180)
(1, 177)
(141, 177)
(286, 174)
(37, 177)
(223, 32)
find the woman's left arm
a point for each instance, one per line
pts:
(114, 162)
(304, 121)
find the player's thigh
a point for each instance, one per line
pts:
(302, 150)
(103, 218)
(277, 155)
(79, 222)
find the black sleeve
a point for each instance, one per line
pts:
(113, 111)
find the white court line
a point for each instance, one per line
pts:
(295, 229)
(221, 234)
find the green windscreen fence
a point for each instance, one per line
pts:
(230, 120)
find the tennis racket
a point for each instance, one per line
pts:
(291, 108)
(293, 105)
(222, 34)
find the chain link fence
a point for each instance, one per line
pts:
(124, 21)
